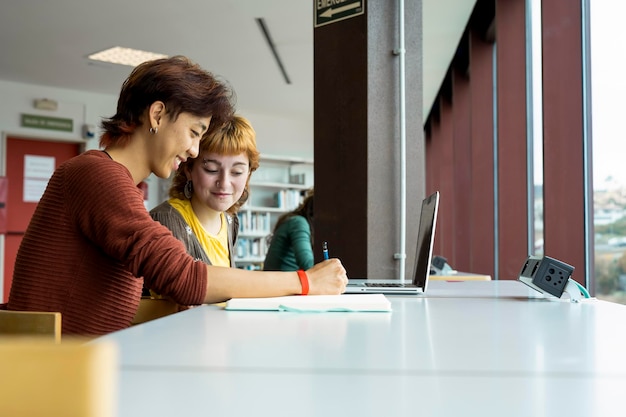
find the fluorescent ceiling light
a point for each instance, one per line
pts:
(125, 56)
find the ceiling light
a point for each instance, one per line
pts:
(125, 56)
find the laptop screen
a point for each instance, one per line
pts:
(425, 239)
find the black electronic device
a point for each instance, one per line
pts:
(551, 276)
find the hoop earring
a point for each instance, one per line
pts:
(188, 190)
(244, 197)
(154, 130)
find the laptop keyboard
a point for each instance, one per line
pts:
(388, 285)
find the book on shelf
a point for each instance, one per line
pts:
(251, 248)
(254, 222)
(288, 199)
(299, 179)
(250, 267)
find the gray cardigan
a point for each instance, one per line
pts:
(169, 217)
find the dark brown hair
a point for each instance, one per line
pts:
(182, 85)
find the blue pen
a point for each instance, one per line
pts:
(325, 249)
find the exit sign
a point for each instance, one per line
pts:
(331, 11)
(49, 123)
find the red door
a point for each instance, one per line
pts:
(29, 163)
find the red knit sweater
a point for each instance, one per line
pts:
(87, 243)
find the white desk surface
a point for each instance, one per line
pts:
(470, 348)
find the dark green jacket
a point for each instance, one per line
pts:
(290, 248)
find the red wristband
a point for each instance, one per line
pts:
(304, 281)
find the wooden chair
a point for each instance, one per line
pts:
(151, 308)
(41, 378)
(31, 323)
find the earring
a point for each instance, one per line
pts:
(154, 130)
(188, 190)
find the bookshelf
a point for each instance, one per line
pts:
(276, 187)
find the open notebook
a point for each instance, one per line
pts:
(313, 303)
(421, 271)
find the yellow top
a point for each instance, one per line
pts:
(215, 246)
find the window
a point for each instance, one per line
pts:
(609, 148)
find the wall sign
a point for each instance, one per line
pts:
(46, 122)
(37, 172)
(331, 11)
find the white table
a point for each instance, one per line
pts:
(464, 349)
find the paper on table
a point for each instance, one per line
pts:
(314, 303)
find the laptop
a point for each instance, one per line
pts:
(421, 270)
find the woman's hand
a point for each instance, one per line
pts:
(327, 277)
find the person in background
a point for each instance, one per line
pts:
(291, 245)
(207, 192)
(91, 244)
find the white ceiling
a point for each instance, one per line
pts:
(46, 42)
(443, 24)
